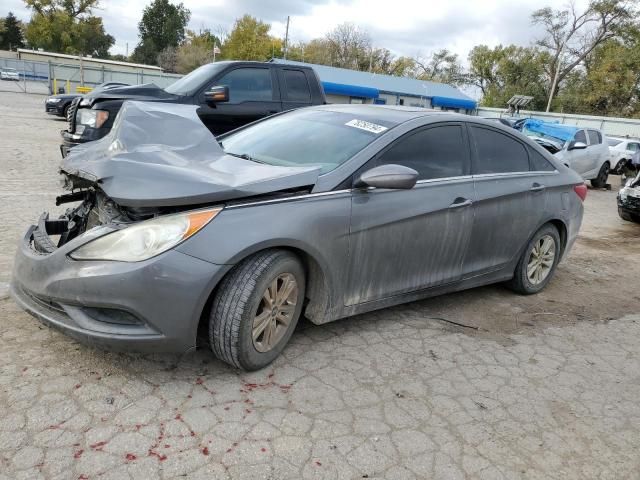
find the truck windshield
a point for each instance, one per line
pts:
(305, 138)
(193, 81)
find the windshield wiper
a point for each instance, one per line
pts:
(246, 156)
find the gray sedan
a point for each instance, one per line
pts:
(324, 212)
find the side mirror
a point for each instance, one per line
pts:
(573, 145)
(391, 176)
(217, 94)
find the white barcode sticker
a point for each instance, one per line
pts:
(367, 126)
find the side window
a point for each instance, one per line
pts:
(498, 153)
(248, 84)
(580, 137)
(435, 152)
(539, 163)
(594, 137)
(634, 147)
(296, 85)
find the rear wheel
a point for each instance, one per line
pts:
(538, 262)
(601, 180)
(256, 309)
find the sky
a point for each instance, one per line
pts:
(406, 27)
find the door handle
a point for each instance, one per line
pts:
(536, 187)
(461, 203)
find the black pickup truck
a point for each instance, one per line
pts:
(228, 95)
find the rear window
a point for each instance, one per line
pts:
(539, 163)
(297, 86)
(498, 153)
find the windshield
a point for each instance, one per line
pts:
(613, 142)
(306, 137)
(545, 136)
(191, 82)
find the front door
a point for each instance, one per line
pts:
(253, 94)
(406, 240)
(511, 198)
(579, 160)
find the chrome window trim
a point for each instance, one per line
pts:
(514, 174)
(444, 179)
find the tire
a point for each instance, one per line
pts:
(629, 217)
(242, 295)
(65, 111)
(601, 180)
(521, 282)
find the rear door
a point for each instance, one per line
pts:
(510, 198)
(407, 240)
(295, 91)
(253, 94)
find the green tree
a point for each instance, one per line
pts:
(11, 36)
(571, 35)
(195, 51)
(502, 72)
(67, 26)
(250, 40)
(442, 66)
(162, 25)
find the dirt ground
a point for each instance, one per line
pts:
(544, 386)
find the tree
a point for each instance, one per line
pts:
(67, 26)
(348, 46)
(502, 72)
(11, 33)
(162, 25)
(443, 66)
(571, 36)
(250, 40)
(195, 51)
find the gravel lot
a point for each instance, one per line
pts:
(542, 387)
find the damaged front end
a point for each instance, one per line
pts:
(629, 200)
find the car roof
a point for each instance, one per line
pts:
(392, 113)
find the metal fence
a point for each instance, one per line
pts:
(50, 77)
(612, 126)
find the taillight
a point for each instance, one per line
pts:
(581, 191)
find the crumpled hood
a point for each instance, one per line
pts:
(160, 154)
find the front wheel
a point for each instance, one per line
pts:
(538, 262)
(256, 309)
(603, 175)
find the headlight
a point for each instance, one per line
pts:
(53, 100)
(145, 239)
(92, 118)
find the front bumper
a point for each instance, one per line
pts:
(629, 204)
(54, 109)
(165, 295)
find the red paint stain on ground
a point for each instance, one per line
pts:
(77, 386)
(130, 457)
(160, 457)
(178, 417)
(199, 381)
(205, 451)
(98, 446)
(318, 463)
(83, 477)
(78, 453)
(263, 449)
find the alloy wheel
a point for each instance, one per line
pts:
(275, 312)
(541, 259)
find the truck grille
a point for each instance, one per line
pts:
(71, 114)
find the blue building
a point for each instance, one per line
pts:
(350, 86)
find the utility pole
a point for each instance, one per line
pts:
(555, 78)
(286, 39)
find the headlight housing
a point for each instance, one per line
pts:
(92, 118)
(145, 239)
(53, 100)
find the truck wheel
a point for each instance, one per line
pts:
(601, 180)
(256, 309)
(538, 262)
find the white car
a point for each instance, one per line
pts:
(621, 152)
(9, 74)
(581, 149)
